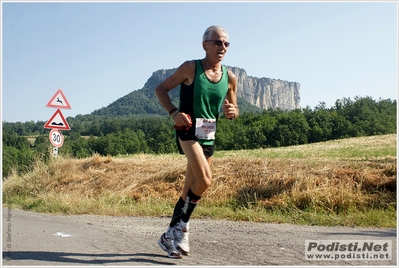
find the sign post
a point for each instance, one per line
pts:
(57, 120)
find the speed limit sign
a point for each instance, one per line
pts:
(56, 138)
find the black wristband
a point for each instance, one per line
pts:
(174, 113)
(173, 110)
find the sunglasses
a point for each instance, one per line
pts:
(219, 43)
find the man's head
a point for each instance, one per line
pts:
(213, 29)
(215, 42)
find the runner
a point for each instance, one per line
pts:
(206, 86)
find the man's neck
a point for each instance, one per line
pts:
(209, 65)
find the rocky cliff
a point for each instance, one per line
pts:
(265, 93)
(254, 95)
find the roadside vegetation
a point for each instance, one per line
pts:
(108, 135)
(349, 182)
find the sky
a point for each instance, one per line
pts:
(98, 52)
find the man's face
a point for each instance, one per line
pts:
(216, 46)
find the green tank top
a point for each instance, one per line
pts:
(203, 98)
(208, 96)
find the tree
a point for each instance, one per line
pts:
(292, 129)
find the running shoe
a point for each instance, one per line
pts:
(180, 232)
(167, 244)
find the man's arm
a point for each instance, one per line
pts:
(183, 74)
(230, 107)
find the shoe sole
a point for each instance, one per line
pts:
(164, 248)
(182, 251)
(185, 253)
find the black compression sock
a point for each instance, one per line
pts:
(177, 212)
(191, 202)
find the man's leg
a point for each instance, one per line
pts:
(178, 210)
(197, 182)
(177, 231)
(190, 179)
(199, 176)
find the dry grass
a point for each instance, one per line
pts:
(313, 181)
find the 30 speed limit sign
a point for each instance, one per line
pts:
(56, 138)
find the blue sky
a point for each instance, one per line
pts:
(98, 52)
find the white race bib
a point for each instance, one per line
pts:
(205, 129)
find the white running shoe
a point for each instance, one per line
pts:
(180, 232)
(166, 242)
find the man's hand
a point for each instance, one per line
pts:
(229, 109)
(182, 121)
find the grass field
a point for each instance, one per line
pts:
(350, 182)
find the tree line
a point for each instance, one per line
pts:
(104, 135)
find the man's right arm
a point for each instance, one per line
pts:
(183, 74)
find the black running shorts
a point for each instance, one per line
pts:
(186, 136)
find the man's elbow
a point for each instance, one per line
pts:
(158, 90)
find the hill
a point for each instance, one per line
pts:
(253, 95)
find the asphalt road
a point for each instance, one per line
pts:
(36, 239)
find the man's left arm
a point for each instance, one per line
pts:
(230, 107)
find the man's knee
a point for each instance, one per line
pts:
(208, 182)
(204, 183)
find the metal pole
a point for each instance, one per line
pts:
(55, 151)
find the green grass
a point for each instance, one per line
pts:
(364, 147)
(377, 155)
(106, 205)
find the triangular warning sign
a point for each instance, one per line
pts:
(59, 101)
(57, 121)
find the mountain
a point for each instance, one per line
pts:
(267, 93)
(253, 95)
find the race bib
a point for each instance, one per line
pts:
(205, 129)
